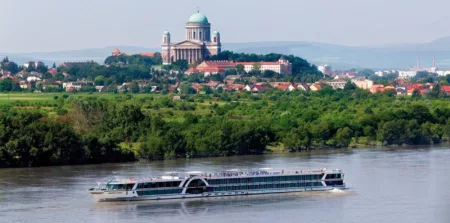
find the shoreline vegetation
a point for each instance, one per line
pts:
(79, 128)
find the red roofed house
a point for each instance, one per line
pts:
(116, 52)
(445, 89)
(197, 87)
(422, 88)
(377, 88)
(213, 84)
(214, 67)
(315, 87)
(147, 54)
(235, 87)
(53, 71)
(292, 87)
(191, 70)
(255, 88)
(302, 86)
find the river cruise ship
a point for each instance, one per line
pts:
(175, 185)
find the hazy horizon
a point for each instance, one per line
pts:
(52, 25)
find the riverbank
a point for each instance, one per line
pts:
(90, 128)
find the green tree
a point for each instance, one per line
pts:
(349, 86)
(180, 65)
(240, 69)
(152, 148)
(99, 80)
(134, 87)
(343, 137)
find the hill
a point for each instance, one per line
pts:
(390, 56)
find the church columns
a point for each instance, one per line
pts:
(190, 55)
(198, 57)
(195, 55)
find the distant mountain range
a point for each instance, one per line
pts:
(393, 56)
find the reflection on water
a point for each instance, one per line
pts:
(214, 206)
(399, 185)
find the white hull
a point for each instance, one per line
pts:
(111, 196)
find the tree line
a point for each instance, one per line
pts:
(78, 130)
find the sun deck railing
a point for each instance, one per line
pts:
(226, 174)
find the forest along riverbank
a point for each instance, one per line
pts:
(98, 128)
(405, 185)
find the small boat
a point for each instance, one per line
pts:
(197, 184)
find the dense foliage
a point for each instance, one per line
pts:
(75, 130)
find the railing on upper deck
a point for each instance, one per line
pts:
(225, 174)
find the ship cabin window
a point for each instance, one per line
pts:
(335, 183)
(333, 176)
(119, 186)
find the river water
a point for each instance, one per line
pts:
(385, 185)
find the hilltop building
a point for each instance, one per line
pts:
(33, 64)
(198, 44)
(282, 66)
(116, 52)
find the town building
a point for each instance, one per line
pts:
(116, 52)
(282, 66)
(363, 83)
(325, 69)
(337, 84)
(407, 74)
(33, 64)
(199, 44)
(315, 87)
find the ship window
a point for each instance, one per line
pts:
(153, 185)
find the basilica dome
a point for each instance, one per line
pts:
(198, 18)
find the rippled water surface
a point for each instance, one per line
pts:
(386, 185)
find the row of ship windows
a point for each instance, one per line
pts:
(265, 186)
(263, 179)
(159, 192)
(158, 184)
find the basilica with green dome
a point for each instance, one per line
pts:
(199, 43)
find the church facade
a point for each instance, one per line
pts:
(199, 44)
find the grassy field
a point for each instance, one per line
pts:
(10, 97)
(6, 98)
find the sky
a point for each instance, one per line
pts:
(53, 25)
